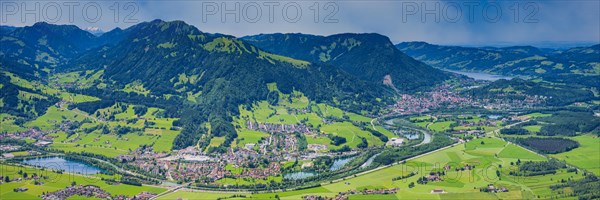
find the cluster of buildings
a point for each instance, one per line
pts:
(7, 147)
(191, 164)
(30, 133)
(344, 195)
(516, 101)
(90, 191)
(493, 189)
(278, 128)
(87, 191)
(443, 97)
(440, 96)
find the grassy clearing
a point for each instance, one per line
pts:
(421, 118)
(538, 115)
(351, 133)
(7, 124)
(533, 128)
(586, 156)
(55, 116)
(248, 136)
(47, 90)
(216, 141)
(514, 151)
(441, 126)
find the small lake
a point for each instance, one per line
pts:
(339, 163)
(480, 75)
(59, 163)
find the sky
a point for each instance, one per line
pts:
(465, 22)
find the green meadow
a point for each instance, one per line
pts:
(351, 133)
(55, 116)
(586, 156)
(441, 126)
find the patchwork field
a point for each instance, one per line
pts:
(494, 154)
(147, 129)
(311, 114)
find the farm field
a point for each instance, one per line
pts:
(55, 116)
(441, 126)
(57, 181)
(457, 184)
(7, 124)
(586, 156)
(284, 112)
(351, 133)
(147, 129)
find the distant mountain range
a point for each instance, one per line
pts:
(517, 60)
(39, 48)
(577, 67)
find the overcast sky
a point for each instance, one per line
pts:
(458, 22)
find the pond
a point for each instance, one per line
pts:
(60, 163)
(339, 163)
(480, 75)
(410, 136)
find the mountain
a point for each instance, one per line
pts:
(6, 29)
(518, 60)
(557, 94)
(370, 57)
(94, 30)
(178, 62)
(32, 51)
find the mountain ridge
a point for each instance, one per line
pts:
(369, 56)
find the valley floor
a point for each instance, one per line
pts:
(494, 154)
